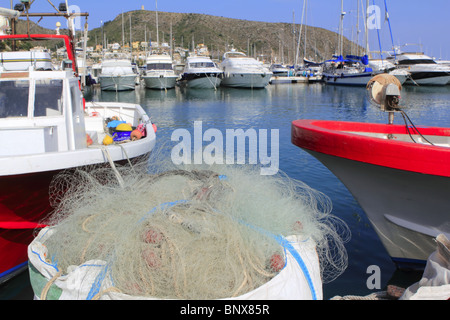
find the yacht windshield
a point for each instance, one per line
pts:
(201, 65)
(416, 61)
(159, 66)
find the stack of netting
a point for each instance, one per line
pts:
(180, 233)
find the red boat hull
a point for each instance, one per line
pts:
(336, 138)
(24, 204)
(402, 186)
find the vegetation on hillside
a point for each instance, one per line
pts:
(273, 41)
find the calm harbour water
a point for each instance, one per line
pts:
(275, 108)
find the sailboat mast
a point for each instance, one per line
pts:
(131, 41)
(293, 36)
(341, 30)
(157, 30)
(357, 27)
(171, 42)
(300, 33)
(367, 31)
(306, 16)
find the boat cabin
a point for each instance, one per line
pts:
(407, 59)
(159, 62)
(41, 110)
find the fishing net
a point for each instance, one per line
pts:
(188, 232)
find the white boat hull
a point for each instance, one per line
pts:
(291, 79)
(402, 78)
(204, 83)
(429, 81)
(117, 83)
(395, 202)
(351, 80)
(30, 162)
(160, 82)
(246, 80)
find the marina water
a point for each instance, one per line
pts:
(370, 269)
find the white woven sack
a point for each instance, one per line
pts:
(300, 279)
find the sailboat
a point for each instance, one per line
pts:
(351, 70)
(386, 65)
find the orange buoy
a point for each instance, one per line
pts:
(88, 140)
(135, 135)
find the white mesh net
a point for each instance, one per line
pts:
(188, 232)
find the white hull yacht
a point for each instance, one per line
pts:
(388, 67)
(241, 71)
(159, 74)
(201, 72)
(423, 69)
(117, 73)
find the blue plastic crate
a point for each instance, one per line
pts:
(121, 135)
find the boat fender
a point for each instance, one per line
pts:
(89, 140)
(114, 123)
(154, 127)
(142, 129)
(108, 140)
(135, 135)
(124, 127)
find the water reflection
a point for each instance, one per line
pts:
(275, 108)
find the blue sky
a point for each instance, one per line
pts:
(412, 21)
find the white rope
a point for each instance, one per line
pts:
(113, 166)
(213, 83)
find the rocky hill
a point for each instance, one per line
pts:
(219, 34)
(274, 41)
